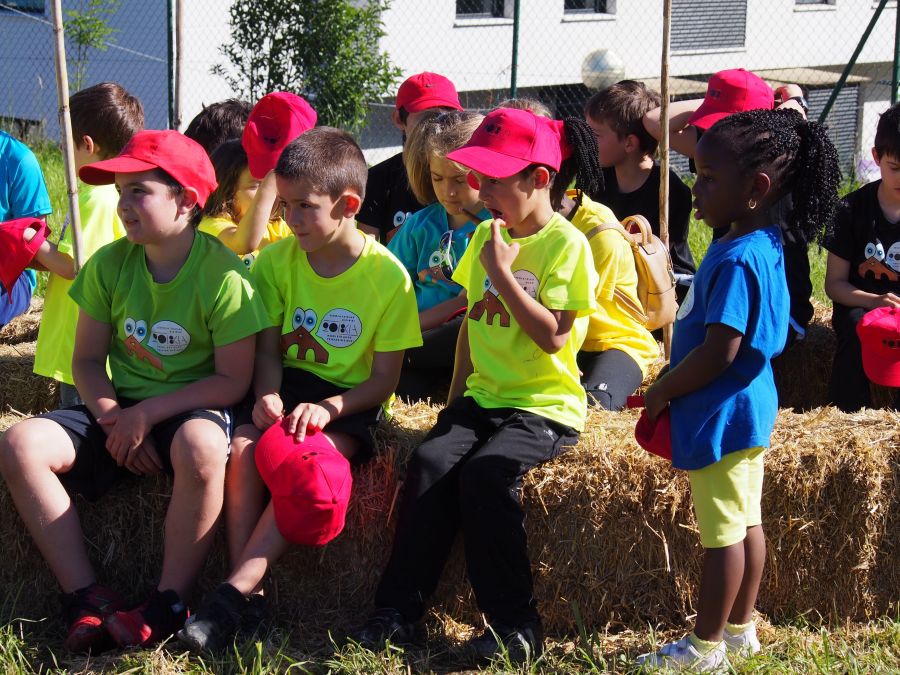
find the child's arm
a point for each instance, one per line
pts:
(682, 138)
(462, 364)
(267, 373)
(247, 235)
(367, 394)
(840, 290)
(548, 328)
(437, 315)
(48, 258)
(701, 366)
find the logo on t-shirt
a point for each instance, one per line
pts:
(338, 328)
(167, 338)
(875, 267)
(490, 305)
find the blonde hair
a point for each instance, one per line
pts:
(530, 104)
(435, 137)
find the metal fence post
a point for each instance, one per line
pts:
(513, 87)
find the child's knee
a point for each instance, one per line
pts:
(21, 446)
(482, 479)
(199, 451)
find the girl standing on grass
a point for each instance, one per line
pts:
(720, 388)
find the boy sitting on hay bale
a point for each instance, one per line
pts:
(172, 311)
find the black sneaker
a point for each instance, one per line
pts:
(254, 617)
(517, 644)
(384, 625)
(216, 622)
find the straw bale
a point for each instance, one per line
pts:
(610, 527)
(20, 388)
(24, 328)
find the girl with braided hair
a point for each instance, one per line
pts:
(720, 390)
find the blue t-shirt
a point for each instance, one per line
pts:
(420, 245)
(741, 284)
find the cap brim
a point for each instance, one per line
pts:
(488, 162)
(704, 119)
(881, 371)
(261, 163)
(104, 173)
(431, 102)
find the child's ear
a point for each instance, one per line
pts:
(762, 185)
(541, 177)
(189, 199)
(351, 204)
(395, 118)
(875, 156)
(90, 147)
(632, 143)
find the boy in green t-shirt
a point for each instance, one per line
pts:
(173, 313)
(341, 312)
(104, 118)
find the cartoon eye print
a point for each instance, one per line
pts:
(399, 218)
(307, 319)
(129, 327)
(435, 259)
(248, 260)
(487, 284)
(140, 330)
(875, 250)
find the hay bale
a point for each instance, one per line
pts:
(610, 528)
(21, 389)
(24, 328)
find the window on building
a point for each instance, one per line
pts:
(480, 8)
(31, 6)
(699, 25)
(589, 6)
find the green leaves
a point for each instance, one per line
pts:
(88, 29)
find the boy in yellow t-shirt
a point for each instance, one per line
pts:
(104, 118)
(515, 400)
(342, 311)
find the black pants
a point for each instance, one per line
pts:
(849, 387)
(427, 370)
(467, 474)
(609, 377)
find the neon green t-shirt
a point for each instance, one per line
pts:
(164, 335)
(333, 326)
(276, 230)
(100, 225)
(510, 371)
(610, 327)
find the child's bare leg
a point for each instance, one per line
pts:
(754, 562)
(31, 454)
(266, 545)
(198, 459)
(245, 492)
(723, 572)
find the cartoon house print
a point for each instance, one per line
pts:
(304, 323)
(338, 328)
(136, 333)
(490, 304)
(874, 266)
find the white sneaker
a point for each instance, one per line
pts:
(745, 644)
(682, 654)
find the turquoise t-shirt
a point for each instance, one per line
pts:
(421, 245)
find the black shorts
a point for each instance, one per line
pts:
(301, 386)
(95, 471)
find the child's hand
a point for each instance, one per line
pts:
(144, 460)
(267, 410)
(307, 417)
(126, 429)
(496, 255)
(654, 401)
(886, 300)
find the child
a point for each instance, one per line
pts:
(430, 243)
(219, 122)
(341, 312)
(631, 177)
(863, 269)
(515, 400)
(720, 387)
(242, 211)
(390, 201)
(172, 311)
(104, 118)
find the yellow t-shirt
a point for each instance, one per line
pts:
(610, 327)
(510, 371)
(164, 336)
(276, 230)
(100, 225)
(333, 326)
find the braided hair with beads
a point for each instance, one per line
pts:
(583, 166)
(796, 154)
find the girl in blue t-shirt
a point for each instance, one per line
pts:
(430, 243)
(720, 389)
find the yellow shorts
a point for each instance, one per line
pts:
(727, 497)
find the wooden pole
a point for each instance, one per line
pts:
(65, 127)
(664, 151)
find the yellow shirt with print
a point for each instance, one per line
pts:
(509, 370)
(100, 225)
(610, 327)
(332, 326)
(276, 230)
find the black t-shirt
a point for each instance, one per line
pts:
(389, 199)
(864, 237)
(645, 201)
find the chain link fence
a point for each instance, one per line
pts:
(558, 45)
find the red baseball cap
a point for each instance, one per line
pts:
(310, 484)
(276, 120)
(879, 335)
(509, 140)
(427, 90)
(729, 92)
(179, 156)
(655, 435)
(16, 253)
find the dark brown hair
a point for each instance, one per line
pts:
(219, 122)
(328, 158)
(622, 106)
(108, 114)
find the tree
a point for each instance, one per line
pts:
(88, 29)
(325, 50)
